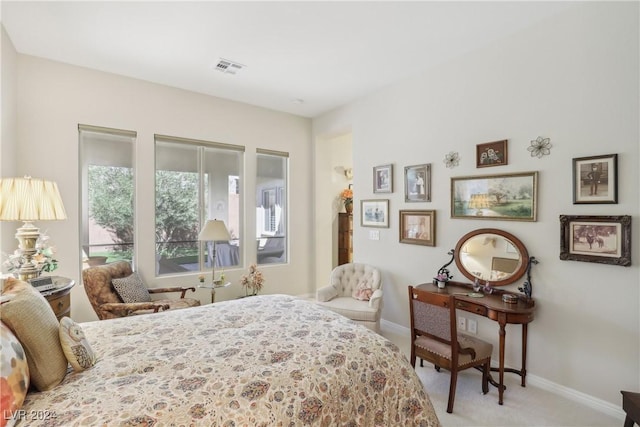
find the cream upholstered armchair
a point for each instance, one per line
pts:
(114, 290)
(355, 292)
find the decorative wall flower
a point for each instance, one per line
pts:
(452, 159)
(540, 147)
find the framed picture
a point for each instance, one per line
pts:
(491, 154)
(418, 227)
(417, 183)
(603, 239)
(595, 179)
(508, 196)
(383, 179)
(375, 213)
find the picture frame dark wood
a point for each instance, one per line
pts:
(602, 239)
(492, 154)
(418, 227)
(595, 179)
(512, 196)
(417, 183)
(374, 213)
(383, 179)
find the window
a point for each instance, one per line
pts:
(195, 181)
(107, 189)
(271, 206)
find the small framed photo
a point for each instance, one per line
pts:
(595, 179)
(417, 183)
(375, 213)
(603, 239)
(491, 154)
(418, 227)
(383, 179)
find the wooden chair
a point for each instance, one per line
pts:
(433, 324)
(107, 303)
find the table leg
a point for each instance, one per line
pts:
(213, 295)
(523, 372)
(502, 321)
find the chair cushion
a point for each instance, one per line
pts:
(131, 289)
(28, 314)
(75, 346)
(352, 308)
(14, 374)
(482, 348)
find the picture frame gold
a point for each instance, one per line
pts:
(601, 238)
(512, 196)
(418, 227)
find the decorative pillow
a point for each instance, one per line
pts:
(362, 292)
(75, 345)
(131, 289)
(30, 317)
(14, 375)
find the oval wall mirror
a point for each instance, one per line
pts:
(493, 255)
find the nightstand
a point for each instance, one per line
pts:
(59, 298)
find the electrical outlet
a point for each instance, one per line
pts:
(472, 326)
(462, 323)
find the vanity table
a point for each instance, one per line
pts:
(492, 307)
(499, 258)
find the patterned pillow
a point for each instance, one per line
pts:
(28, 314)
(14, 375)
(131, 289)
(362, 292)
(75, 345)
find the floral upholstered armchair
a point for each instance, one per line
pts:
(114, 290)
(355, 292)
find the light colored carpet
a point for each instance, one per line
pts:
(523, 406)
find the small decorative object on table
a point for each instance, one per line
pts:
(510, 298)
(347, 197)
(42, 260)
(253, 281)
(442, 277)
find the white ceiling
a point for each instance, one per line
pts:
(323, 53)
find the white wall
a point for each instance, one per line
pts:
(574, 79)
(8, 134)
(332, 155)
(54, 98)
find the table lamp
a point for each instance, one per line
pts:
(28, 199)
(214, 230)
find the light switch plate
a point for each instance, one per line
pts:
(374, 234)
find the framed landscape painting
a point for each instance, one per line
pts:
(375, 213)
(507, 196)
(602, 239)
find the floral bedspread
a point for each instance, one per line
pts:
(270, 360)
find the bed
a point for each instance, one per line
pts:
(271, 360)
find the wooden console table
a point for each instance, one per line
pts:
(492, 307)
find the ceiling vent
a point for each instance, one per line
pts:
(228, 67)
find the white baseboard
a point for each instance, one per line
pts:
(534, 380)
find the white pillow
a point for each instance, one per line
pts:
(75, 345)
